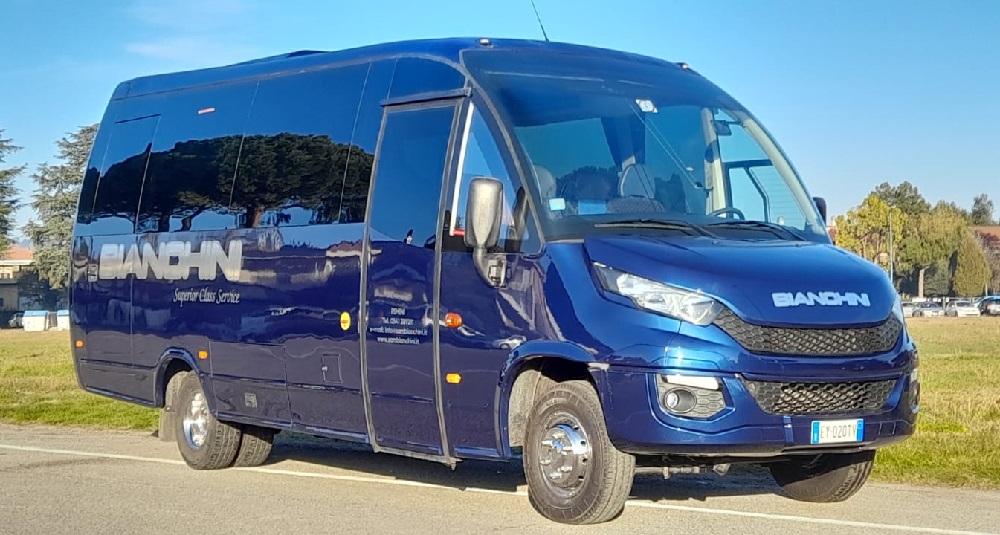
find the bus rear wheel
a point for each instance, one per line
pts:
(205, 443)
(823, 478)
(574, 474)
(255, 446)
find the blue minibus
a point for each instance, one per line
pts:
(588, 261)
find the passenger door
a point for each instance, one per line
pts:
(494, 320)
(402, 386)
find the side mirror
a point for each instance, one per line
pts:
(821, 205)
(482, 225)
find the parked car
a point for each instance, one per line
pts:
(989, 306)
(16, 321)
(961, 309)
(908, 308)
(928, 309)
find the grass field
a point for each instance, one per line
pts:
(38, 384)
(958, 434)
(957, 440)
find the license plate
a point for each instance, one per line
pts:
(834, 431)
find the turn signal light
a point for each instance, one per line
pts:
(453, 378)
(452, 320)
(202, 354)
(79, 344)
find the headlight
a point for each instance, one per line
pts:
(679, 304)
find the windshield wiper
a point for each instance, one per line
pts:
(774, 227)
(669, 224)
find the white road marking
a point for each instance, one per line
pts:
(405, 483)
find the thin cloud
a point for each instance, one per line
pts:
(191, 50)
(189, 15)
(192, 33)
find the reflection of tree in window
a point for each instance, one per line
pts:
(119, 188)
(291, 179)
(285, 179)
(192, 179)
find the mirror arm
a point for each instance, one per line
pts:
(493, 268)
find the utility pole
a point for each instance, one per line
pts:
(891, 253)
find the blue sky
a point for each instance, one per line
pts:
(856, 92)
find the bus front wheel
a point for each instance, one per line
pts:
(574, 474)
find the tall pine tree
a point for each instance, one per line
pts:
(8, 191)
(55, 199)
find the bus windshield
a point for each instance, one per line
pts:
(615, 143)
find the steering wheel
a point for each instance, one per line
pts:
(728, 210)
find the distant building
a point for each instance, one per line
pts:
(12, 264)
(990, 235)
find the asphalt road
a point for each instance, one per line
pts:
(63, 481)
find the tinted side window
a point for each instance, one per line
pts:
(194, 157)
(410, 167)
(120, 182)
(354, 200)
(482, 158)
(415, 75)
(95, 162)
(295, 153)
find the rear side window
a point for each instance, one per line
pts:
(120, 180)
(296, 156)
(95, 163)
(193, 162)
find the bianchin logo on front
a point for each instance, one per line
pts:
(790, 299)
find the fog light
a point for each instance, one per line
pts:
(680, 400)
(690, 396)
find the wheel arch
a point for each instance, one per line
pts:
(531, 365)
(171, 362)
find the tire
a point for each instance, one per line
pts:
(598, 478)
(205, 443)
(824, 478)
(255, 446)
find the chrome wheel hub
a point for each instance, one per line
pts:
(564, 455)
(196, 421)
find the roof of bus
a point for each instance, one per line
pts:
(448, 49)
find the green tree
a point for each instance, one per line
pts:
(990, 244)
(8, 191)
(58, 188)
(950, 206)
(971, 270)
(982, 211)
(931, 238)
(937, 280)
(30, 286)
(905, 196)
(864, 230)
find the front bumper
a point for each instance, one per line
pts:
(638, 423)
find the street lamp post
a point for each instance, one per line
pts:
(891, 253)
